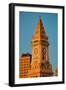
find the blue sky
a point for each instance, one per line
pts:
(27, 22)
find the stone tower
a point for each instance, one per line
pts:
(40, 65)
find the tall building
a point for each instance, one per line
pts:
(24, 65)
(40, 65)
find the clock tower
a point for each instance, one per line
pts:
(40, 65)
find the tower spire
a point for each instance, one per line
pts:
(39, 31)
(40, 27)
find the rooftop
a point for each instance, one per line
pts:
(26, 54)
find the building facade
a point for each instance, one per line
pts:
(56, 71)
(24, 65)
(39, 62)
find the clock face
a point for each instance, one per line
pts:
(35, 51)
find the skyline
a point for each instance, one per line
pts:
(28, 22)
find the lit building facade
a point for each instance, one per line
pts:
(56, 71)
(24, 65)
(38, 63)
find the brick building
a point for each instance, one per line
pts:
(24, 65)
